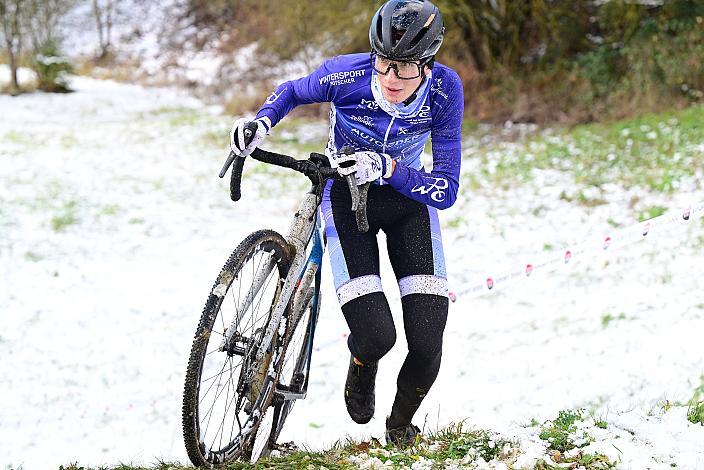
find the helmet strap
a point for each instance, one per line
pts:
(414, 95)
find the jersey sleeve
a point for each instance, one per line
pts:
(438, 188)
(312, 88)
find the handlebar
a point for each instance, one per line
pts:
(311, 168)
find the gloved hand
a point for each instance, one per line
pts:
(366, 166)
(237, 139)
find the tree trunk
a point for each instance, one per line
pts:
(10, 13)
(104, 19)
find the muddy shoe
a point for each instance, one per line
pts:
(359, 391)
(402, 436)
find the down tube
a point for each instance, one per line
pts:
(316, 256)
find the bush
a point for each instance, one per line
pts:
(52, 69)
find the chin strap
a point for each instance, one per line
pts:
(414, 95)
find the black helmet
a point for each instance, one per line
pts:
(407, 30)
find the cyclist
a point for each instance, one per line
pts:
(386, 105)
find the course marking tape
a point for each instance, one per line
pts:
(587, 250)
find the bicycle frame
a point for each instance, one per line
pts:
(299, 234)
(308, 290)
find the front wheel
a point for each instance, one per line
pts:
(227, 389)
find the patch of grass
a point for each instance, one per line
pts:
(651, 212)
(68, 141)
(65, 218)
(695, 408)
(454, 442)
(455, 222)
(110, 209)
(695, 413)
(607, 318)
(469, 125)
(581, 460)
(601, 424)
(33, 257)
(653, 151)
(187, 118)
(18, 138)
(560, 433)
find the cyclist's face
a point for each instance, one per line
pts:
(396, 90)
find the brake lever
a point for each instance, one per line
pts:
(354, 191)
(361, 211)
(248, 134)
(358, 194)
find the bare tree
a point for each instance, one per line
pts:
(104, 12)
(42, 19)
(10, 12)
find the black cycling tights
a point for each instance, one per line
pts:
(414, 244)
(373, 334)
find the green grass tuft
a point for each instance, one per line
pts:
(695, 413)
(607, 318)
(67, 217)
(561, 432)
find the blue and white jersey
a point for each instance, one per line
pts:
(362, 118)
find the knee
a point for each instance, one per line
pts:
(425, 317)
(375, 346)
(369, 342)
(372, 329)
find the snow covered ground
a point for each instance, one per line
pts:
(113, 226)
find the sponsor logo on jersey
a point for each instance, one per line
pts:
(437, 88)
(367, 138)
(275, 96)
(368, 104)
(402, 130)
(341, 78)
(406, 140)
(415, 121)
(366, 120)
(436, 188)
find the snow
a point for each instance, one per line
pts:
(114, 225)
(25, 76)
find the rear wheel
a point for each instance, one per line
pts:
(228, 390)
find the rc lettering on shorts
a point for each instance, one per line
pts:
(273, 97)
(368, 104)
(341, 78)
(436, 189)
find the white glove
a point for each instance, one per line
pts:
(237, 138)
(366, 166)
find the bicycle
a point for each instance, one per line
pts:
(251, 355)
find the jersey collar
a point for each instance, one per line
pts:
(400, 110)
